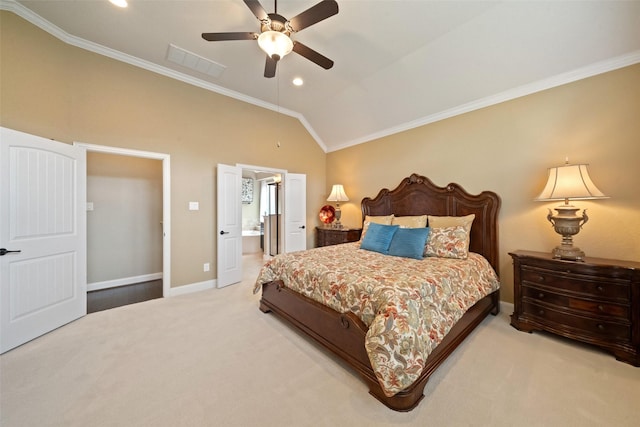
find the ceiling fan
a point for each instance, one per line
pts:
(275, 33)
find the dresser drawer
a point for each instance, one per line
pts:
(589, 325)
(599, 270)
(336, 236)
(591, 286)
(589, 306)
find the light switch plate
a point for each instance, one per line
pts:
(194, 206)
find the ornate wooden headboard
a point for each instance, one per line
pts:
(417, 195)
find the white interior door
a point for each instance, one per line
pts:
(229, 231)
(43, 216)
(295, 212)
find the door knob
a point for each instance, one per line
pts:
(3, 251)
(302, 226)
(224, 232)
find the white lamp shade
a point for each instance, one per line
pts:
(570, 182)
(337, 194)
(275, 43)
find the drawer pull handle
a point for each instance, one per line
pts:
(601, 326)
(600, 308)
(541, 295)
(541, 312)
(600, 288)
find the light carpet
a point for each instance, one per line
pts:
(213, 359)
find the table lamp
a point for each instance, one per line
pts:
(568, 182)
(338, 195)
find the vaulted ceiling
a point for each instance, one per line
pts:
(398, 64)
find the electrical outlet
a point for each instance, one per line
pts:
(207, 266)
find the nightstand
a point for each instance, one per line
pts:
(596, 301)
(335, 236)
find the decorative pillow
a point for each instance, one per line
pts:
(375, 219)
(409, 242)
(448, 242)
(451, 221)
(419, 221)
(378, 237)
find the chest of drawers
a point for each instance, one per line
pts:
(596, 301)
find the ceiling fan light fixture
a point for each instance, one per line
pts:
(275, 44)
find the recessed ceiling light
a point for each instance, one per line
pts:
(119, 3)
(298, 81)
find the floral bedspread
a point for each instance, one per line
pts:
(409, 305)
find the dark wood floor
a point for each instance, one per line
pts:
(105, 299)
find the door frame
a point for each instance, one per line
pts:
(166, 200)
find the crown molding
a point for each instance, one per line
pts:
(37, 20)
(524, 90)
(518, 92)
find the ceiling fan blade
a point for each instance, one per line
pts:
(312, 55)
(270, 67)
(216, 37)
(257, 9)
(314, 14)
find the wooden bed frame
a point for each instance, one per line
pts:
(344, 334)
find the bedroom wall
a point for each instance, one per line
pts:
(507, 148)
(57, 91)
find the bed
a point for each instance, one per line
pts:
(399, 381)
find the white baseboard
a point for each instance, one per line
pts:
(193, 287)
(96, 286)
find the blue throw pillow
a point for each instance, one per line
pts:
(409, 242)
(378, 237)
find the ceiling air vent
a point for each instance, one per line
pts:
(195, 62)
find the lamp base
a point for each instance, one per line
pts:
(568, 252)
(338, 215)
(567, 223)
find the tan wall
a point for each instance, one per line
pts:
(507, 148)
(57, 91)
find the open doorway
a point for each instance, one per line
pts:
(124, 230)
(161, 224)
(262, 211)
(229, 218)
